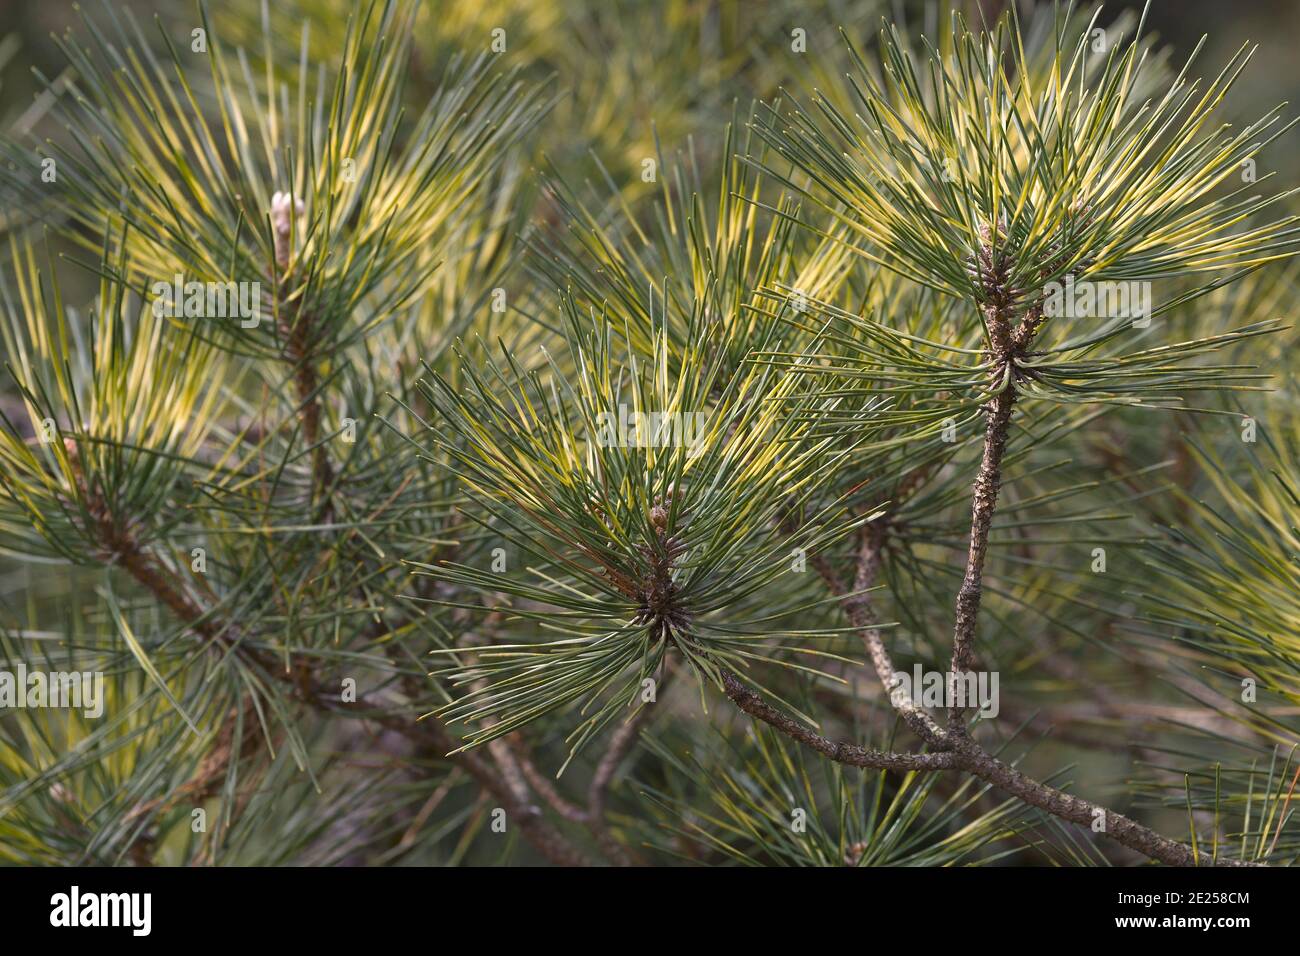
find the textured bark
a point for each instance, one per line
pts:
(307, 386)
(979, 763)
(839, 751)
(597, 793)
(953, 747)
(988, 481)
(430, 737)
(862, 615)
(545, 838)
(545, 788)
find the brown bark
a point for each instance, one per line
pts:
(838, 750)
(988, 481)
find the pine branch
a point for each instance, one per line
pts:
(620, 743)
(973, 759)
(806, 330)
(306, 382)
(955, 749)
(1008, 343)
(839, 751)
(862, 616)
(544, 785)
(429, 737)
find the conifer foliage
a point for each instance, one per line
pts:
(790, 447)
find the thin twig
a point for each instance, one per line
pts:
(979, 763)
(429, 736)
(838, 750)
(544, 786)
(620, 743)
(984, 501)
(862, 616)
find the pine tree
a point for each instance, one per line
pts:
(420, 463)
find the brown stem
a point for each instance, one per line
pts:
(593, 816)
(967, 755)
(620, 743)
(979, 763)
(954, 747)
(307, 386)
(508, 782)
(839, 751)
(546, 839)
(433, 740)
(430, 737)
(547, 790)
(862, 616)
(984, 502)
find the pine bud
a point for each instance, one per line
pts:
(281, 203)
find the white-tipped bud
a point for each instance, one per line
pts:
(281, 222)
